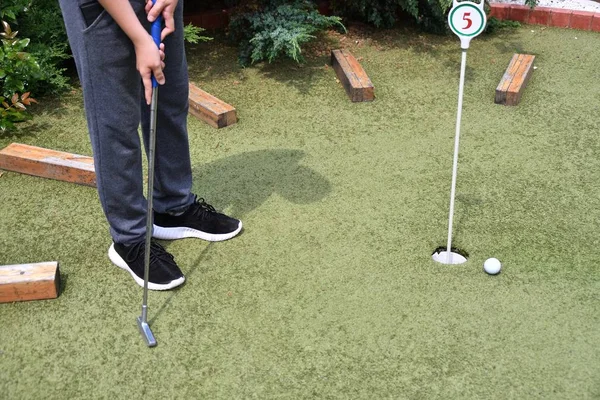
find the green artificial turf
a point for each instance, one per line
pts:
(330, 291)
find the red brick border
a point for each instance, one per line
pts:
(540, 16)
(560, 18)
(500, 11)
(581, 20)
(519, 13)
(596, 23)
(557, 17)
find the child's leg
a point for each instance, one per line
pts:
(106, 64)
(173, 172)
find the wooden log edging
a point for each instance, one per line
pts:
(48, 163)
(513, 82)
(24, 282)
(210, 109)
(352, 76)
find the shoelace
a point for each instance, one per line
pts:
(201, 208)
(157, 252)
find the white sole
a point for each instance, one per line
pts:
(160, 232)
(119, 262)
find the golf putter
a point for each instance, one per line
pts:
(142, 320)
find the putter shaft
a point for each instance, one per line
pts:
(143, 326)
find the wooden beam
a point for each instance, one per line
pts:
(515, 78)
(209, 109)
(47, 163)
(29, 282)
(352, 76)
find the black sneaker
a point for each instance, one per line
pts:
(200, 220)
(164, 273)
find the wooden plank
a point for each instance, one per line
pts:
(507, 78)
(345, 74)
(29, 282)
(519, 82)
(514, 80)
(368, 90)
(353, 77)
(210, 109)
(47, 163)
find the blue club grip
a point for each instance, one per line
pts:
(155, 30)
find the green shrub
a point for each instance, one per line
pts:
(41, 22)
(13, 112)
(495, 25)
(11, 8)
(429, 14)
(17, 67)
(433, 15)
(380, 13)
(191, 34)
(270, 29)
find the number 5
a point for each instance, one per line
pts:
(469, 22)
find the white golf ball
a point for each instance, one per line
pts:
(492, 266)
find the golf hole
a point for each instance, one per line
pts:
(456, 256)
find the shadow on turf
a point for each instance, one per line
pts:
(173, 293)
(213, 60)
(218, 60)
(242, 182)
(23, 130)
(467, 206)
(302, 77)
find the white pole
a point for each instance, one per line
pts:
(455, 161)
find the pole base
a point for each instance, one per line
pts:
(453, 258)
(146, 332)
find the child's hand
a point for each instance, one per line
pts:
(150, 61)
(166, 8)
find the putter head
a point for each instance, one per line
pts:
(146, 332)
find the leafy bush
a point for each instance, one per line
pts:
(17, 67)
(15, 111)
(269, 29)
(430, 14)
(381, 13)
(41, 22)
(433, 15)
(496, 25)
(191, 34)
(11, 8)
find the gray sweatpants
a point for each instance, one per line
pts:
(115, 105)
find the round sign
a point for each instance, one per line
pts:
(466, 20)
